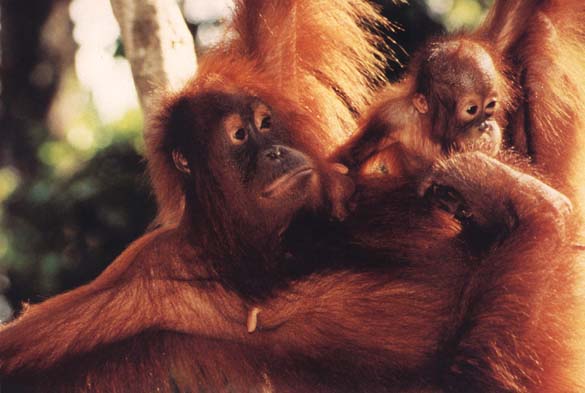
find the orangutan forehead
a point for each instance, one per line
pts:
(470, 69)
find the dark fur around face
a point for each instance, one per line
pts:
(232, 160)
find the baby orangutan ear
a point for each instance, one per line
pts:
(420, 103)
(181, 162)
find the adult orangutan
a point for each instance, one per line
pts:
(476, 320)
(419, 299)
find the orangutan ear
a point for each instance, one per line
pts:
(181, 162)
(420, 103)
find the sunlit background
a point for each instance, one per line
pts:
(72, 190)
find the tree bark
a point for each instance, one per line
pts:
(158, 45)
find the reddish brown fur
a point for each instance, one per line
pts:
(433, 319)
(459, 324)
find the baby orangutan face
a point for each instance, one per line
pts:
(477, 108)
(463, 91)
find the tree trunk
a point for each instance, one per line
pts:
(158, 45)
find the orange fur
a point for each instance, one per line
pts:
(457, 324)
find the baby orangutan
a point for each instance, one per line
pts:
(453, 99)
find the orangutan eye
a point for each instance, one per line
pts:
(240, 134)
(235, 129)
(266, 123)
(472, 110)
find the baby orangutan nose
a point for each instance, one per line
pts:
(485, 126)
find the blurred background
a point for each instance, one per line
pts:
(73, 193)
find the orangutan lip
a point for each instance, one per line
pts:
(284, 182)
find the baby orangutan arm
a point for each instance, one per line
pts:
(378, 129)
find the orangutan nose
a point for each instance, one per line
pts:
(485, 126)
(274, 153)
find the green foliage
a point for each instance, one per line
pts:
(63, 231)
(465, 13)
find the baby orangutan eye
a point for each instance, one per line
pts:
(472, 110)
(490, 108)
